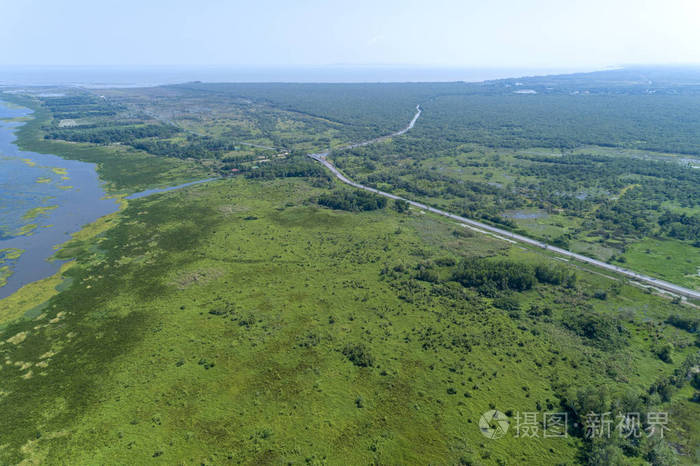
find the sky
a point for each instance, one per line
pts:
(449, 33)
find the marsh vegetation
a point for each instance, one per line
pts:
(274, 316)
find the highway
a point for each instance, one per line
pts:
(655, 282)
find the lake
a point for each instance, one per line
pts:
(43, 200)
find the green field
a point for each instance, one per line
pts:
(671, 260)
(222, 321)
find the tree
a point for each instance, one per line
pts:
(665, 353)
(401, 206)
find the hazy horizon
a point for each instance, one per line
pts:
(542, 34)
(133, 76)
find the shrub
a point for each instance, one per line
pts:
(688, 324)
(536, 311)
(695, 381)
(665, 352)
(561, 241)
(463, 233)
(603, 330)
(507, 303)
(445, 262)
(359, 355)
(427, 275)
(401, 206)
(554, 275)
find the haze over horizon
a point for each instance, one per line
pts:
(501, 34)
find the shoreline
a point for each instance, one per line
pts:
(45, 215)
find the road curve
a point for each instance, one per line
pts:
(661, 284)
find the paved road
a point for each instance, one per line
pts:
(661, 284)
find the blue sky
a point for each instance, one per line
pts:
(484, 33)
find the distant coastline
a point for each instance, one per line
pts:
(113, 76)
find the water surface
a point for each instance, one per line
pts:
(43, 200)
(148, 192)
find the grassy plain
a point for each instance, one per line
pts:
(670, 260)
(238, 321)
(211, 324)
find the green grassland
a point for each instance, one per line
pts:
(240, 322)
(670, 260)
(246, 321)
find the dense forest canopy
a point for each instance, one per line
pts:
(385, 107)
(659, 123)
